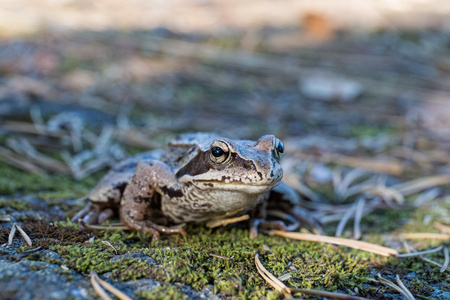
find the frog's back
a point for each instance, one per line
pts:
(200, 139)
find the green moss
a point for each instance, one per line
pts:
(15, 204)
(187, 259)
(86, 258)
(47, 187)
(163, 293)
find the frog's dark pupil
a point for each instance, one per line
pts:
(217, 151)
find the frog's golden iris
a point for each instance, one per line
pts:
(220, 152)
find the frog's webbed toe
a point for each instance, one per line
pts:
(260, 223)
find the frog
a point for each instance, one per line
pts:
(199, 177)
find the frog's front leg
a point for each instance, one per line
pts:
(143, 195)
(104, 199)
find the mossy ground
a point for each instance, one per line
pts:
(188, 260)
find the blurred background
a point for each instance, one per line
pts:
(358, 91)
(366, 79)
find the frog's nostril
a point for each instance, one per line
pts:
(248, 164)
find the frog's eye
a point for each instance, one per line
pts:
(220, 152)
(278, 149)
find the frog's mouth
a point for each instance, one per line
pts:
(236, 186)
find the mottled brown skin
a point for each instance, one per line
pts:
(200, 177)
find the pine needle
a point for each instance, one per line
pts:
(435, 263)
(326, 294)
(416, 185)
(405, 292)
(360, 245)
(446, 260)
(427, 196)
(220, 256)
(442, 227)
(98, 288)
(341, 225)
(421, 252)
(112, 289)
(284, 277)
(281, 287)
(224, 222)
(272, 280)
(342, 185)
(436, 236)
(5, 218)
(25, 236)
(11, 234)
(358, 215)
(410, 249)
(109, 244)
(99, 284)
(115, 226)
(387, 193)
(404, 288)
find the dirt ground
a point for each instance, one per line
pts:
(358, 91)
